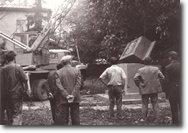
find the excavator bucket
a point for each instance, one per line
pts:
(137, 50)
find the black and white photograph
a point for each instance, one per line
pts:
(83, 63)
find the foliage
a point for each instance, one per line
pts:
(102, 28)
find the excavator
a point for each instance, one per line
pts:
(37, 60)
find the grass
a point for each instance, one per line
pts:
(98, 117)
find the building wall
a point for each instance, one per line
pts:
(9, 23)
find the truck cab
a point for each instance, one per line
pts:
(57, 54)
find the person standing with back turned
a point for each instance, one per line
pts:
(116, 83)
(15, 84)
(173, 91)
(68, 82)
(148, 81)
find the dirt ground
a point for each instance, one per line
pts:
(39, 113)
(94, 110)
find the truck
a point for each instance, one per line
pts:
(36, 59)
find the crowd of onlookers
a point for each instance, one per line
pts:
(65, 83)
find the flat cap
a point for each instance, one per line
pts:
(66, 58)
(172, 53)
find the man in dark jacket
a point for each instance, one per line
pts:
(68, 81)
(173, 91)
(54, 100)
(15, 83)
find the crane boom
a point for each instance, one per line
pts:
(36, 54)
(14, 41)
(51, 26)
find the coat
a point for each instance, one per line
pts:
(173, 76)
(148, 80)
(14, 81)
(69, 82)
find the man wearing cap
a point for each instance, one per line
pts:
(15, 84)
(68, 81)
(116, 83)
(173, 91)
(148, 81)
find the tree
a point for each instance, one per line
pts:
(102, 28)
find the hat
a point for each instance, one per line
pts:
(173, 54)
(66, 58)
(113, 60)
(148, 60)
(10, 56)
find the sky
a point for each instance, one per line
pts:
(51, 4)
(54, 5)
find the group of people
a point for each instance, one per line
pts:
(65, 83)
(150, 81)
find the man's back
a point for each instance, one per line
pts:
(150, 76)
(173, 71)
(68, 77)
(14, 77)
(115, 75)
(173, 75)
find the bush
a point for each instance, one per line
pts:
(93, 86)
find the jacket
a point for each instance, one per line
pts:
(68, 81)
(14, 81)
(148, 80)
(173, 79)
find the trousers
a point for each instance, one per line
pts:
(64, 110)
(53, 107)
(175, 109)
(154, 101)
(174, 99)
(13, 108)
(115, 97)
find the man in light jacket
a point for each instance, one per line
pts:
(148, 81)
